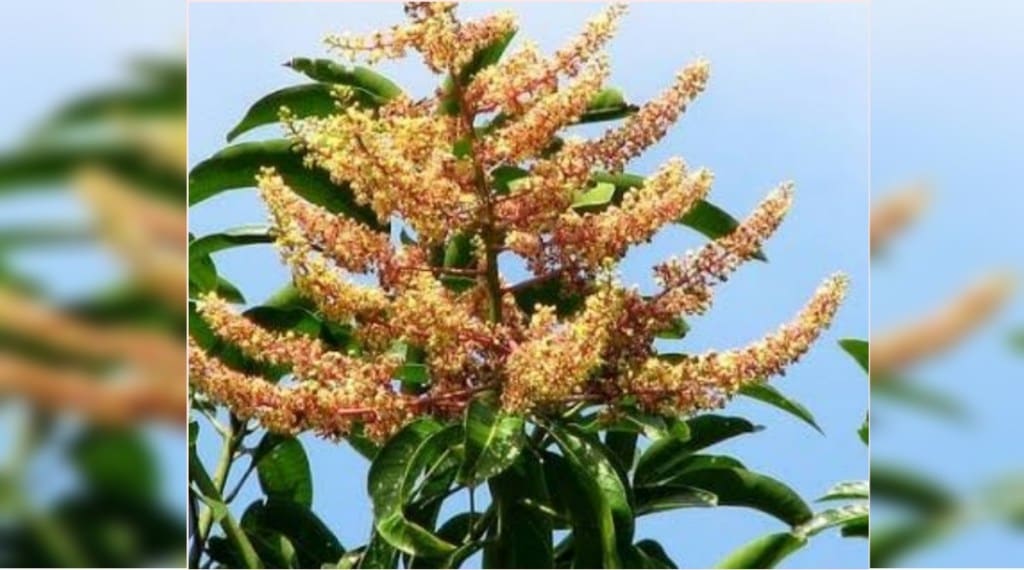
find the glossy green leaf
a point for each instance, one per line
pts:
(521, 536)
(742, 488)
(847, 490)
(306, 100)
(661, 460)
(669, 496)
(600, 195)
(234, 237)
(236, 167)
(358, 77)
(313, 541)
(858, 349)
(765, 552)
(589, 513)
(494, 440)
(648, 554)
(284, 470)
(392, 480)
(712, 221)
(770, 395)
(454, 530)
(675, 330)
(832, 518)
(593, 464)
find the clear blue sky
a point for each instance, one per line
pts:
(946, 92)
(788, 99)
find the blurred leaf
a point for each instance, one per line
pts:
(771, 396)
(858, 349)
(283, 470)
(910, 489)
(764, 552)
(392, 478)
(493, 442)
(919, 397)
(521, 537)
(856, 528)
(234, 237)
(43, 235)
(548, 292)
(459, 251)
(847, 490)
(117, 464)
(662, 459)
(675, 330)
(236, 166)
(889, 544)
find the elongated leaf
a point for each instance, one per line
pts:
(622, 445)
(712, 221)
(454, 530)
(494, 441)
(771, 396)
(234, 237)
(648, 554)
(589, 513)
(910, 489)
(593, 464)
(328, 71)
(858, 349)
(917, 396)
(284, 470)
(847, 490)
(236, 167)
(662, 459)
(743, 488)
(482, 58)
(831, 518)
(307, 100)
(594, 198)
(667, 496)
(764, 552)
(314, 543)
(392, 479)
(522, 535)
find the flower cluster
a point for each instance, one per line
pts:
(494, 175)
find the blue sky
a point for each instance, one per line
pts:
(946, 91)
(788, 99)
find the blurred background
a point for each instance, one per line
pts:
(946, 296)
(92, 284)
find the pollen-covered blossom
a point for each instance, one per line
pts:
(650, 123)
(708, 380)
(526, 136)
(502, 173)
(525, 75)
(445, 42)
(351, 244)
(687, 282)
(587, 240)
(556, 359)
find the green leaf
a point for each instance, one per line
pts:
(663, 458)
(454, 530)
(864, 432)
(622, 445)
(910, 489)
(234, 237)
(548, 292)
(608, 105)
(307, 100)
(228, 291)
(856, 528)
(284, 470)
(314, 543)
(589, 512)
(770, 395)
(459, 251)
(648, 554)
(668, 496)
(600, 195)
(484, 57)
(712, 221)
(593, 465)
(393, 477)
(742, 488)
(847, 490)
(236, 167)
(831, 518)
(358, 77)
(764, 552)
(522, 536)
(858, 349)
(494, 441)
(919, 397)
(677, 329)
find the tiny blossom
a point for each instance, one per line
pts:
(532, 131)
(556, 360)
(650, 123)
(708, 380)
(526, 74)
(351, 245)
(687, 282)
